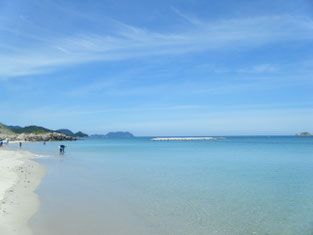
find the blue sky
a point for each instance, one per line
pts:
(158, 67)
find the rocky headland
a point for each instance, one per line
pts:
(52, 136)
(32, 134)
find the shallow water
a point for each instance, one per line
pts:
(240, 185)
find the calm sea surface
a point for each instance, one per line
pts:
(239, 185)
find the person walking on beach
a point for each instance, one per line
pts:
(1, 143)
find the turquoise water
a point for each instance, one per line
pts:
(240, 185)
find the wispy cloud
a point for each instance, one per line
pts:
(127, 42)
(103, 110)
(261, 68)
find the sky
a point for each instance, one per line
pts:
(166, 67)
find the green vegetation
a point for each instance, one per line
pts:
(32, 129)
(65, 132)
(5, 131)
(80, 134)
(14, 127)
(70, 133)
(11, 130)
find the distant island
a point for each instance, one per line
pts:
(37, 133)
(304, 134)
(114, 135)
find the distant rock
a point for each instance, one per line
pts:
(65, 132)
(304, 134)
(114, 135)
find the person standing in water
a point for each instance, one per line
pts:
(62, 148)
(20, 144)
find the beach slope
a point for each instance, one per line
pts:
(19, 177)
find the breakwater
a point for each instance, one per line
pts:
(182, 138)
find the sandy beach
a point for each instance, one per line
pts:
(19, 177)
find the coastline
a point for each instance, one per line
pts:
(19, 178)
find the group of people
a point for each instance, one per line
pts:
(61, 147)
(3, 142)
(6, 142)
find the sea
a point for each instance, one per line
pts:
(232, 186)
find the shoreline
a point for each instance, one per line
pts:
(19, 178)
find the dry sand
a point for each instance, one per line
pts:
(19, 177)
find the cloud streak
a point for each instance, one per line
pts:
(128, 42)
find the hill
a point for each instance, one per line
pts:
(80, 134)
(32, 133)
(70, 133)
(39, 130)
(32, 129)
(5, 131)
(14, 127)
(65, 132)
